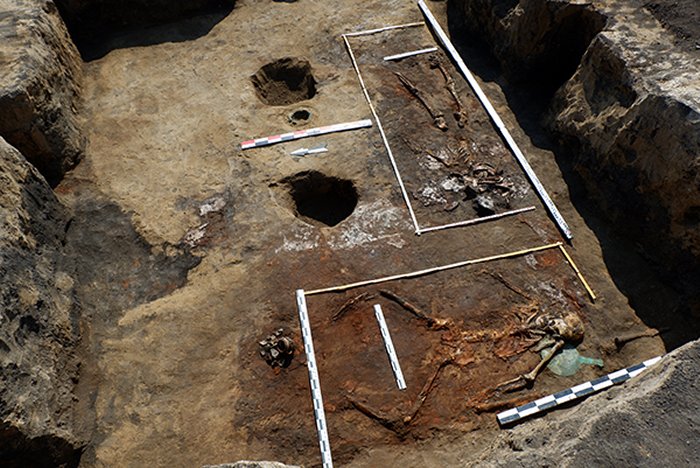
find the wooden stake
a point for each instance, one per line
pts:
(387, 28)
(578, 272)
(428, 271)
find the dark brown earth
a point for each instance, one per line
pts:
(185, 251)
(682, 18)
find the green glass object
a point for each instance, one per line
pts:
(568, 361)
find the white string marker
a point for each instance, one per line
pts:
(314, 382)
(389, 345)
(382, 134)
(389, 58)
(367, 32)
(544, 196)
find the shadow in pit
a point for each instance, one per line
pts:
(656, 293)
(17, 451)
(100, 26)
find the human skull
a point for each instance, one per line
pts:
(569, 326)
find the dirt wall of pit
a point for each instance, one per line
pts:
(91, 21)
(618, 120)
(39, 323)
(623, 104)
(40, 87)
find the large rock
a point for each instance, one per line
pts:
(626, 109)
(632, 112)
(652, 420)
(40, 76)
(39, 322)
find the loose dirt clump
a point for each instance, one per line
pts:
(285, 82)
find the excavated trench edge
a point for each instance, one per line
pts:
(692, 217)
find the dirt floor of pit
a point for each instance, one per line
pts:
(172, 371)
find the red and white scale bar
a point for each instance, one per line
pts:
(299, 134)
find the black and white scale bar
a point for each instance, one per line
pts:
(389, 345)
(299, 134)
(314, 382)
(573, 393)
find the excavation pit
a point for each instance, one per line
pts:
(171, 328)
(285, 81)
(97, 27)
(299, 117)
(320, 199)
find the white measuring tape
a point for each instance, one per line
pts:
(389, 345)
(579, 391)
(314, 382)
(299, 134)
(544, 196)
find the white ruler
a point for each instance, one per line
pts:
(551, 207)
(299, 134)
(389, 345)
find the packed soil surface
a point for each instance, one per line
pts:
(682, 18)
(216, 247)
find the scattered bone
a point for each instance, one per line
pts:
(443, 157)
(621, 341)
(277, 350)
(460, 115)
(212, 205)
(438, 117)
(433, 324)
(349, 304)
(393, 424)
(195, 236)
(452, 184)
(465, 150)
(401, 425)
(503, 404)
(425, 391)
(507, 284)
(557, 330)
(430, 195)
(484, 205)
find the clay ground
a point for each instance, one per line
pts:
(174, 377)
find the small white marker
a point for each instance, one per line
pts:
(305, 151)
(389, 345)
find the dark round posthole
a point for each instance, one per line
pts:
(321, 199)
(285, 81)
(299, 116)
